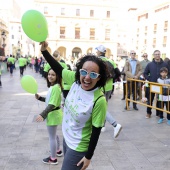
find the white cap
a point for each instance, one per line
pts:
(101, 48)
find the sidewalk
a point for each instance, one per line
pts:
(142, 145)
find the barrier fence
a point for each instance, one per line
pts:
(137, 88)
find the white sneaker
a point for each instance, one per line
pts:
(103, 129)
(117, 130)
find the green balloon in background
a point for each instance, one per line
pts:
(34, 25)
(29, 84)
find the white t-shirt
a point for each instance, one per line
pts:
(79, 114)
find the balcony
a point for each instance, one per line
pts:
(165, 29)
(62, 36)
(77, 36)
(107, 38)
(92, 37)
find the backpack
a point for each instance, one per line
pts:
(111, 69)
(9, 63)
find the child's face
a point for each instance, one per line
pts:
(52, 77)
(163, 74)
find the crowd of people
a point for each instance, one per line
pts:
(155, 71)
(86, 90)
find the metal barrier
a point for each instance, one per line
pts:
(152, 88)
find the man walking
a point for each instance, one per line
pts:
(101, 50)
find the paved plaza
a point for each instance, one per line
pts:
(142, 145)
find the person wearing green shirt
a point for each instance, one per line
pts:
(46, 68)
(66, 87)
(52, 113)
(101, 51)
(84, 109)
(25, 65)
(21, 62)
(29, 61)
(11, 62)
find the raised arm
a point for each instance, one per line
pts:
(52, 62)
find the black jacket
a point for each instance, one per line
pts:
(152, 70)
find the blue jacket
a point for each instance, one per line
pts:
(152, 70)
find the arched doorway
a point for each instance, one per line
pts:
(62, 51)
(76, 52)
(89, 50)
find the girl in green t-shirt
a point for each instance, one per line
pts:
(52, 114)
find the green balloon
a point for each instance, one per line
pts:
(29, 84)
(34, 25)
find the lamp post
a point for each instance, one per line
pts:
(2, 46)
(3, 35)
(18, 53)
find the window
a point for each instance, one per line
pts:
(77, 33)
(144, 16)
(91, 13)
(45, 10)
(154, 42)
(145, 41)
(62, 11)
(107, 34)
(165, 25)
(62, 32)
(108, 14)
(164, 41)
(155, 28)
(77, 12)
(163, 55)
(19, 30)
(92, 33)
(12, 36)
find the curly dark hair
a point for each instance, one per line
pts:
(103, 71)
(58, 80)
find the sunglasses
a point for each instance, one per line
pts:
(145, 56)
(133, 53)
(92, 75)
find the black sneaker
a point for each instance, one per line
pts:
(59, 153)
(49, 161)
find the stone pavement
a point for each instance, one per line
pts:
(142, 144)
